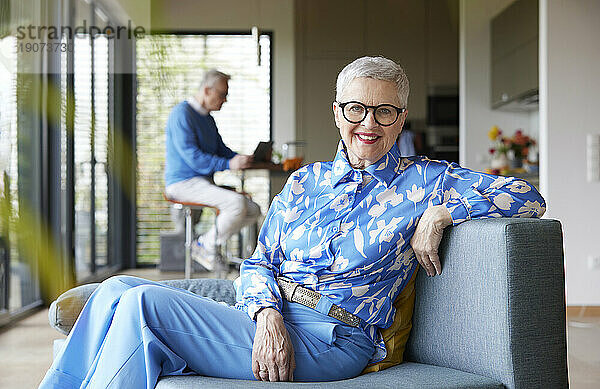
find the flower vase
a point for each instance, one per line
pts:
(515, 163)
(499, 161)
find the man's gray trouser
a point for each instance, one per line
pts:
(236, 210)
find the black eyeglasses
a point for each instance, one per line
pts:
(384, 114)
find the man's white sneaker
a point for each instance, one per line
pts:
(203, 256)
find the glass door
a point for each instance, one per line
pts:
(8, 110)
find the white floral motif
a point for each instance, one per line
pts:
(338, 168)
(450, 194)
(387, 196)
(373, 233)
(359, 241)
(394, 290)
(402, 259)
(340, 202)
(503, 201)
(258, 282)
(340, 263)
(385, 231)
(326, 181)
(358, 291)
(519, 186)
(404, 164)
(390, 230)
(291, 266)
(256, 289)
(531, 208)
(309, 279)
(291, 215)
(499, 182)
(297, 254)
(315, 220)
(317, 170)
(367, 301)
(368, 200)
(399, 244)
(339, 285)
(345, 227)
(298, 232)
(315, 252)
(415, 194)
(297, 187)
(383, 164)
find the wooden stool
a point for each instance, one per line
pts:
(187, 208)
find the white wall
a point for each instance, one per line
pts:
(234, 15)
(569, 101)
(476, 116)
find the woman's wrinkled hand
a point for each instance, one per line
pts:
(272, 352)
(427, 238)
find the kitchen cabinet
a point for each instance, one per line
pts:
(515, 42)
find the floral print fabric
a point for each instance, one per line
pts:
(346, 233)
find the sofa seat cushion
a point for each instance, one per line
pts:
(406, 375)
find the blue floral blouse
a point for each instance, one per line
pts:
(346, 232)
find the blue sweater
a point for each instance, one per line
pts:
(194, 146)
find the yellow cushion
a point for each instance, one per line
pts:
(396, 336)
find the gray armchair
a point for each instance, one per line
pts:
(494, 318)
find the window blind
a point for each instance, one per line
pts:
(82, 59)
(101, 63)
(91, 138)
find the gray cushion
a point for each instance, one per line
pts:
(65, 309)
(218, 290)
(406, 376)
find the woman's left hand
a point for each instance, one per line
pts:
(427, 238)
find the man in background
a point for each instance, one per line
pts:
(407, 141)
(194, 152)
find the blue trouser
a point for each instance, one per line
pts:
(131, 331)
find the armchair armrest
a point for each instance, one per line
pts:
(498, 309)
(65, 309)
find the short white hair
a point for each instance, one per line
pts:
(212, 76)
(378, 68)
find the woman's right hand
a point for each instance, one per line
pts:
(272, 351)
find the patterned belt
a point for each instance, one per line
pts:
(296, 293)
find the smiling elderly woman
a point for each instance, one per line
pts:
(338, 245)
